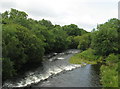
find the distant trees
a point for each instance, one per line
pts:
(85, 41)
(73, 30)
(61, 42)
(73, 34)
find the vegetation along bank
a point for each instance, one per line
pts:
(25, 41)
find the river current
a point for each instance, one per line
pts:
(56, 71)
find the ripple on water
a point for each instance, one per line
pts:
(53, 69)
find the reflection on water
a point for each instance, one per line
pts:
(57, 71)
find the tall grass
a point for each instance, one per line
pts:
(109, 72)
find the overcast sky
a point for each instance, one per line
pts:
(84, 13)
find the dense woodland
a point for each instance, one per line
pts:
(26, 41)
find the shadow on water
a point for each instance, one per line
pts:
(95, 74)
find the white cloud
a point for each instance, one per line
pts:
(85, 13)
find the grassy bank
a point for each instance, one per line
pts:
(109, 76)
(86, 56)
(108, 71)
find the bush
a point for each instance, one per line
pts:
(84, 41)
(109, 72)
(109, 76)
(105, 40)
(7, 68)
(112, 58)
(19, 46)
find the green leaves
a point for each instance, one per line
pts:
(84, 41)
(105, 40)
(20, 45)
(60, 43)
(73, 30)
(7, 68)
(109, 72)
(86, 56)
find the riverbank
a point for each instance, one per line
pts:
(85, 57)
(108, 70)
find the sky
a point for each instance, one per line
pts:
(87, 14)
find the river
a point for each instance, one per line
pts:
(56, 71)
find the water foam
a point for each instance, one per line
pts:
(35, 78)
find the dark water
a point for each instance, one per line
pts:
(80, 77)
(56, 71)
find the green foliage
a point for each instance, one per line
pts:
(11, 45)
(25, 40)
(60, 43)
(112, 58)
(46, 23)
(109, 76)
(7, 68)
(105, 48)
(81, 42)
(109, 72)
(14, 16)
(72, 44)
(20, 45)
(73, 30)
(119, 72)
(84, 41)
(5, 17)
(86, 56)
(105, 40)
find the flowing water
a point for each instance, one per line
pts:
(56, 71)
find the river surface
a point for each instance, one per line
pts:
(56, 71)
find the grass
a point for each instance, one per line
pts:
(86, 56)
(109, 76)
(109, 72)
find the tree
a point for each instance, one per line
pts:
(105, 40)
(7, 68)
(84, 41)
(15, 16)
(61, 43)
(46, 23)
(21, 45)
(73, 30)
